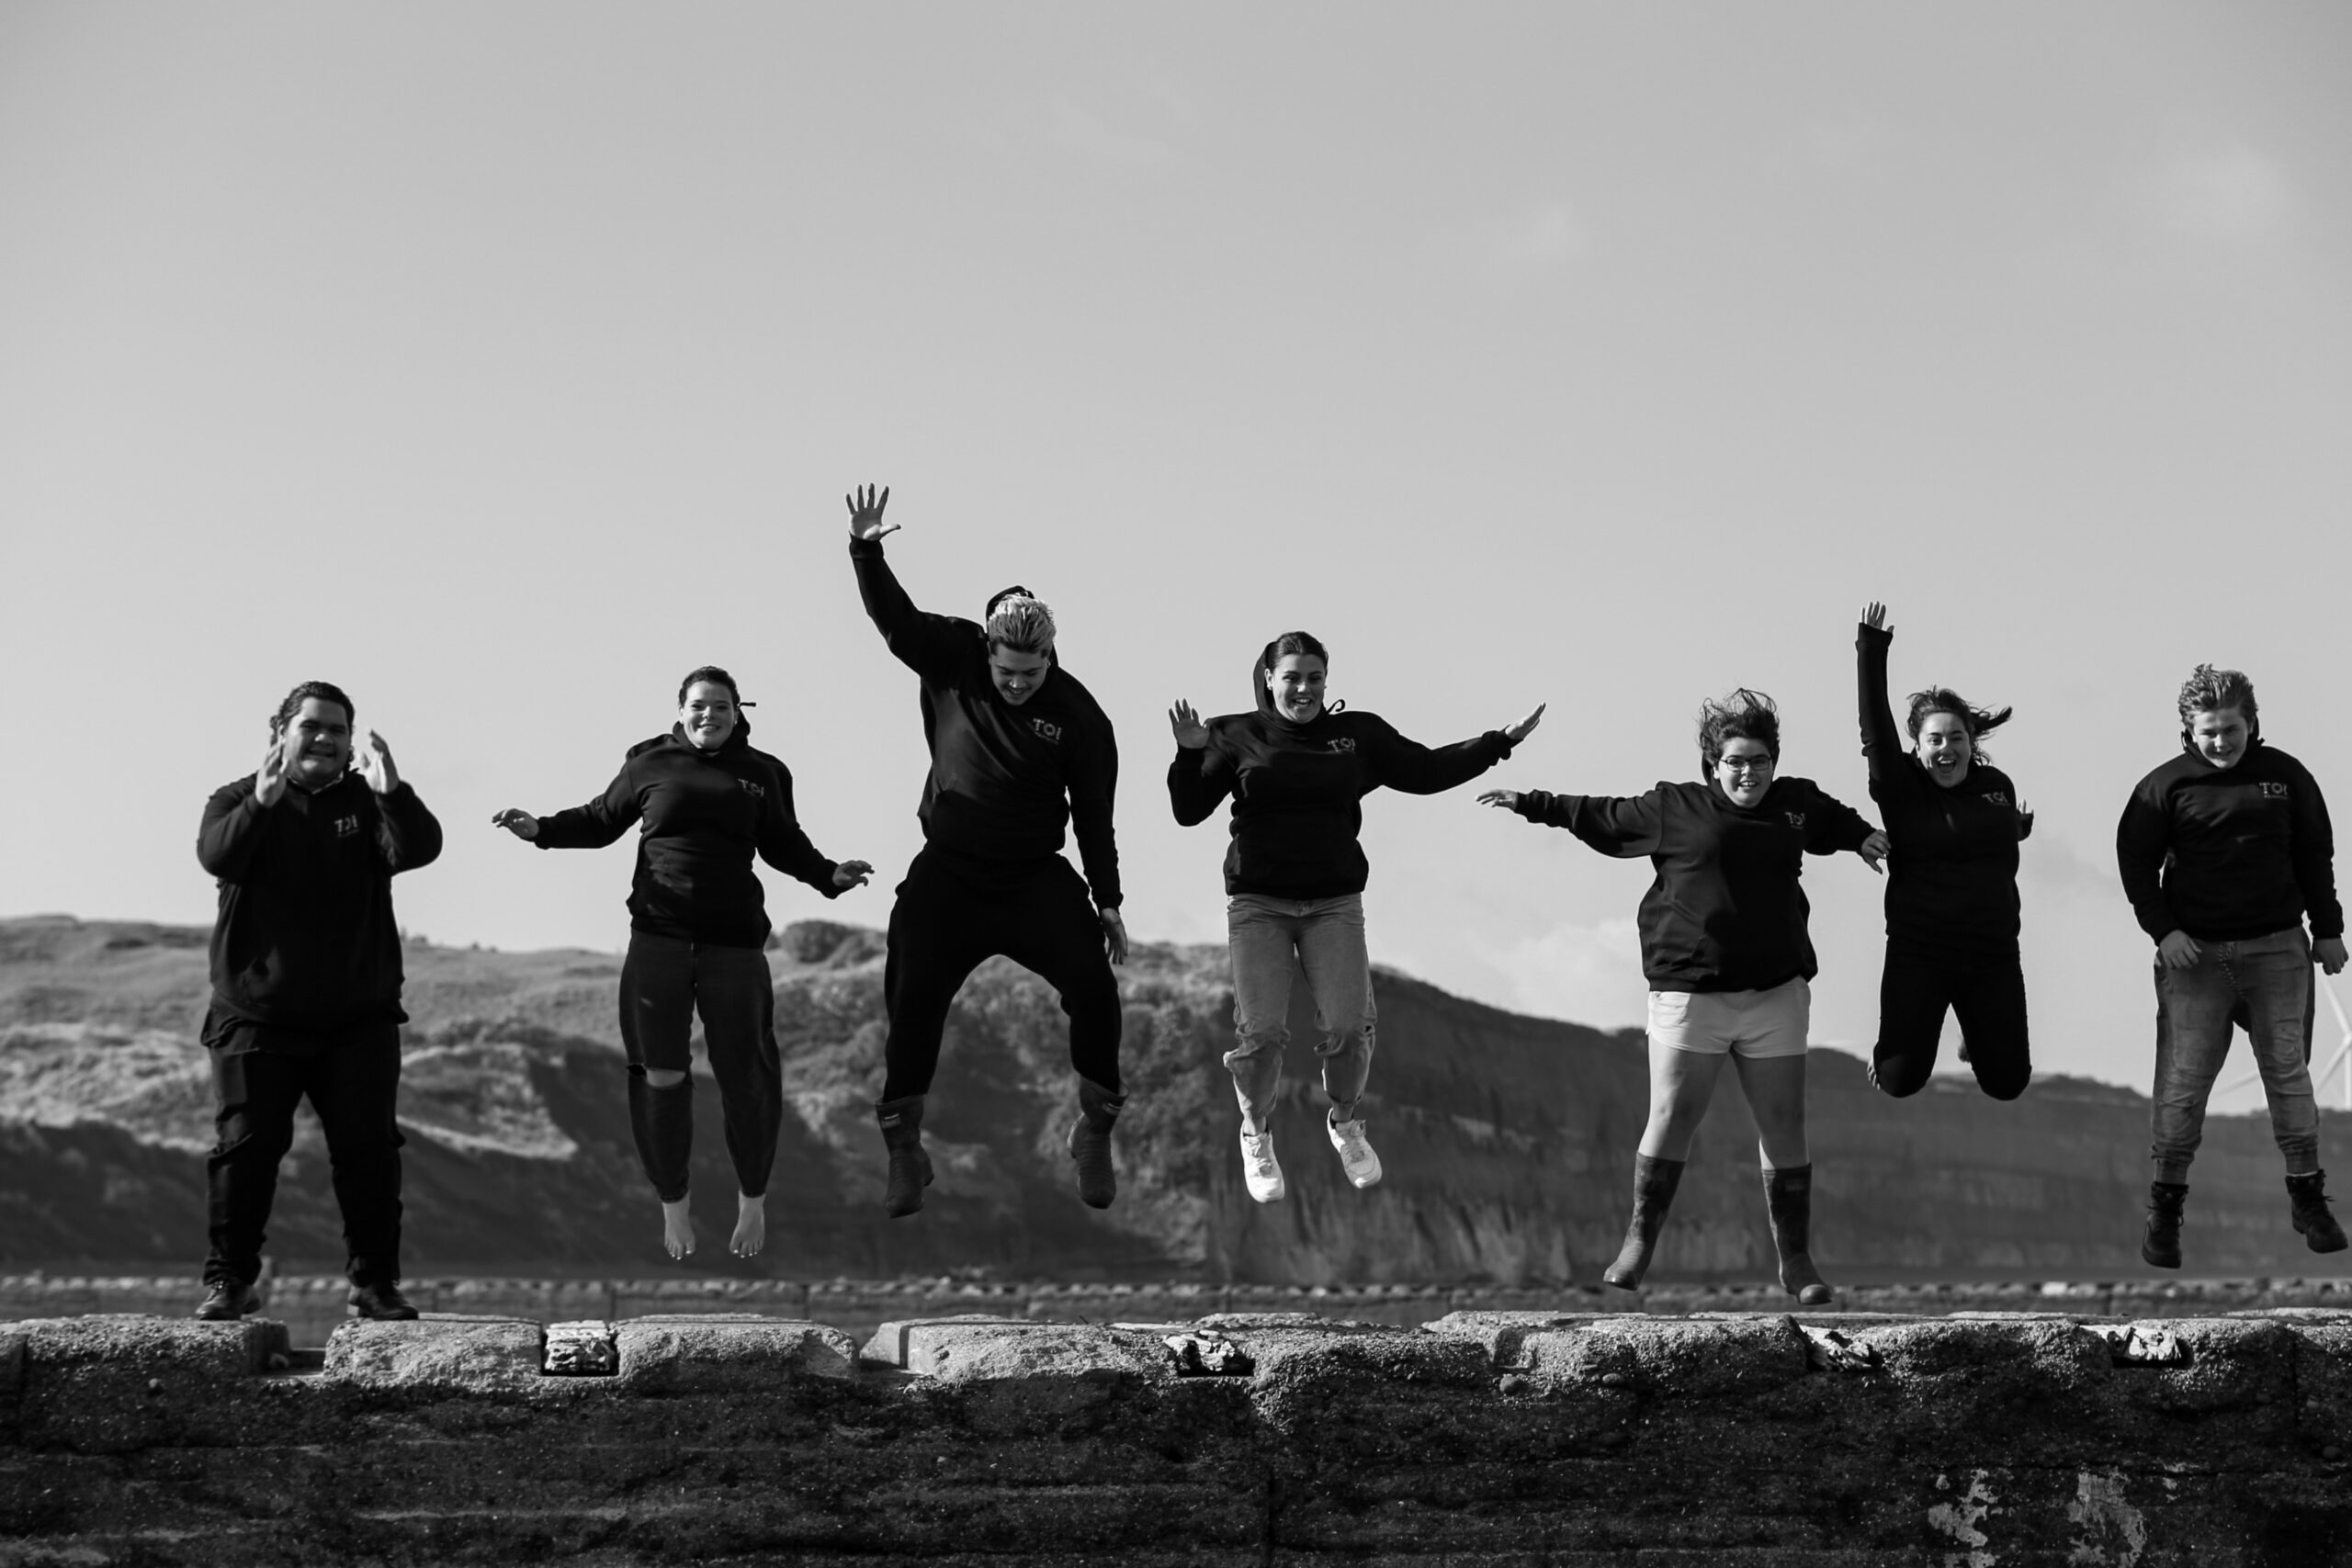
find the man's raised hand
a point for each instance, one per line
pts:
(1191, 733)
(269, 780)
(1515, 733)
(522, 824)
(865, 513)
(374, 763)
(1874, 616)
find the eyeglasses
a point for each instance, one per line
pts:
(1747, 764)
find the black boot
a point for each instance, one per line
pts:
(2320, 1232)
(2161, 1246)
(1788, 1199)
(1654, 1184)
(1089, 1144)
(910, 1167)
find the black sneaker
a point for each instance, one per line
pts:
(2316, 1225)
(226, 1300)
(383, 1303)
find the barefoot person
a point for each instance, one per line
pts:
(1727, 957)
(704, 801)
(306, 990)
(1018, 749)
(2224, 851)
(1955, 821)
(1298, 771)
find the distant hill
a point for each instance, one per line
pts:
(1507, 1139)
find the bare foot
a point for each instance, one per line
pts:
(677, 1228)
(751, 1225)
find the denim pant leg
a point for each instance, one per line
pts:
(1264, 944)
(1339, 971)
(2273, 977)
(2193, 1011)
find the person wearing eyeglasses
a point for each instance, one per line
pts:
(1729, 962)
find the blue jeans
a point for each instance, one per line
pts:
(1272, 939)
(2265, 984)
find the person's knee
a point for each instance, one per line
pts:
(1253, 1040)
(1898, 1077)
(2004, 1083)
(660, 1077)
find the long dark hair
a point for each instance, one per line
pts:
(1737, 715)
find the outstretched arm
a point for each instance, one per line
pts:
(1624, 825)
(600, 822)
(925, 644)
(1881, 742)
(1416, 769)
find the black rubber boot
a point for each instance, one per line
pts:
(2161, 1246)
(2318, 1228)
(1089, 1144)
(910, 1167)
(1788, 1199)
(1654, 1184)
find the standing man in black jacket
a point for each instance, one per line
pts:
(306, 990)
(1018, 749)
(2223, 851)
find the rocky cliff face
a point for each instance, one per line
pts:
(1507, 1139)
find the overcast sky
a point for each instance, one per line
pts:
(502, 362)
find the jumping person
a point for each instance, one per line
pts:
(1295, 874)
(1018, 749)
(1955, 821)
(1727, 957)
(306, 991)
(2223, 851)
(704, 800)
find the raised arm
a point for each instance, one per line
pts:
(408, 835)
(1624, 825)
(1882, 741)
(1416, 769)
(1201, 775)
(924, 643)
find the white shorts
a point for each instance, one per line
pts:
(1753, 1023)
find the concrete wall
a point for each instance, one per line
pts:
(1482, 1437)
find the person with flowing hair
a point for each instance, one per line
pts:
(1728, 958)
(1955, 821)
(1297, 769)
(705, 803)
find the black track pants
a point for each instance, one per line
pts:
(665, 982)
(1987, 995)
(351, 1082)
(950, 915)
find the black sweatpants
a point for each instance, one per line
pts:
(351, 1082)
(1986, 992)
(665, 981)
(952, 914)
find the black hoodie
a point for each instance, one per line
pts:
(305, 941)
(2228, 854)
(702, 815)
(1004, 781)
(1726, 912)
(1298, 789)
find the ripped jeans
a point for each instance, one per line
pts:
(1273, 939)
(2265, 984)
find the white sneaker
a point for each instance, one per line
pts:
(1355, 1152)
(1260, 1170)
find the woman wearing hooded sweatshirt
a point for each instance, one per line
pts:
(1727, 957)
(1951, 888)
(704, 801)
(1298, 771)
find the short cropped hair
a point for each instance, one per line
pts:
(325, 690)
(1978, 722)
(1739, 715)
(2209, 690)
(1019, 620)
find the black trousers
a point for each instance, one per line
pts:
(665, 982)
(952, 914)
(1986, 992)
(351, 1082)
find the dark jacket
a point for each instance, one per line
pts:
(701, 816)
(1952, 880)
(1004, 781)
(305, 943)
(1725, 913)
(2227, 854)
(1298, 789)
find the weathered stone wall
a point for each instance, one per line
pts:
(1482, 1438)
